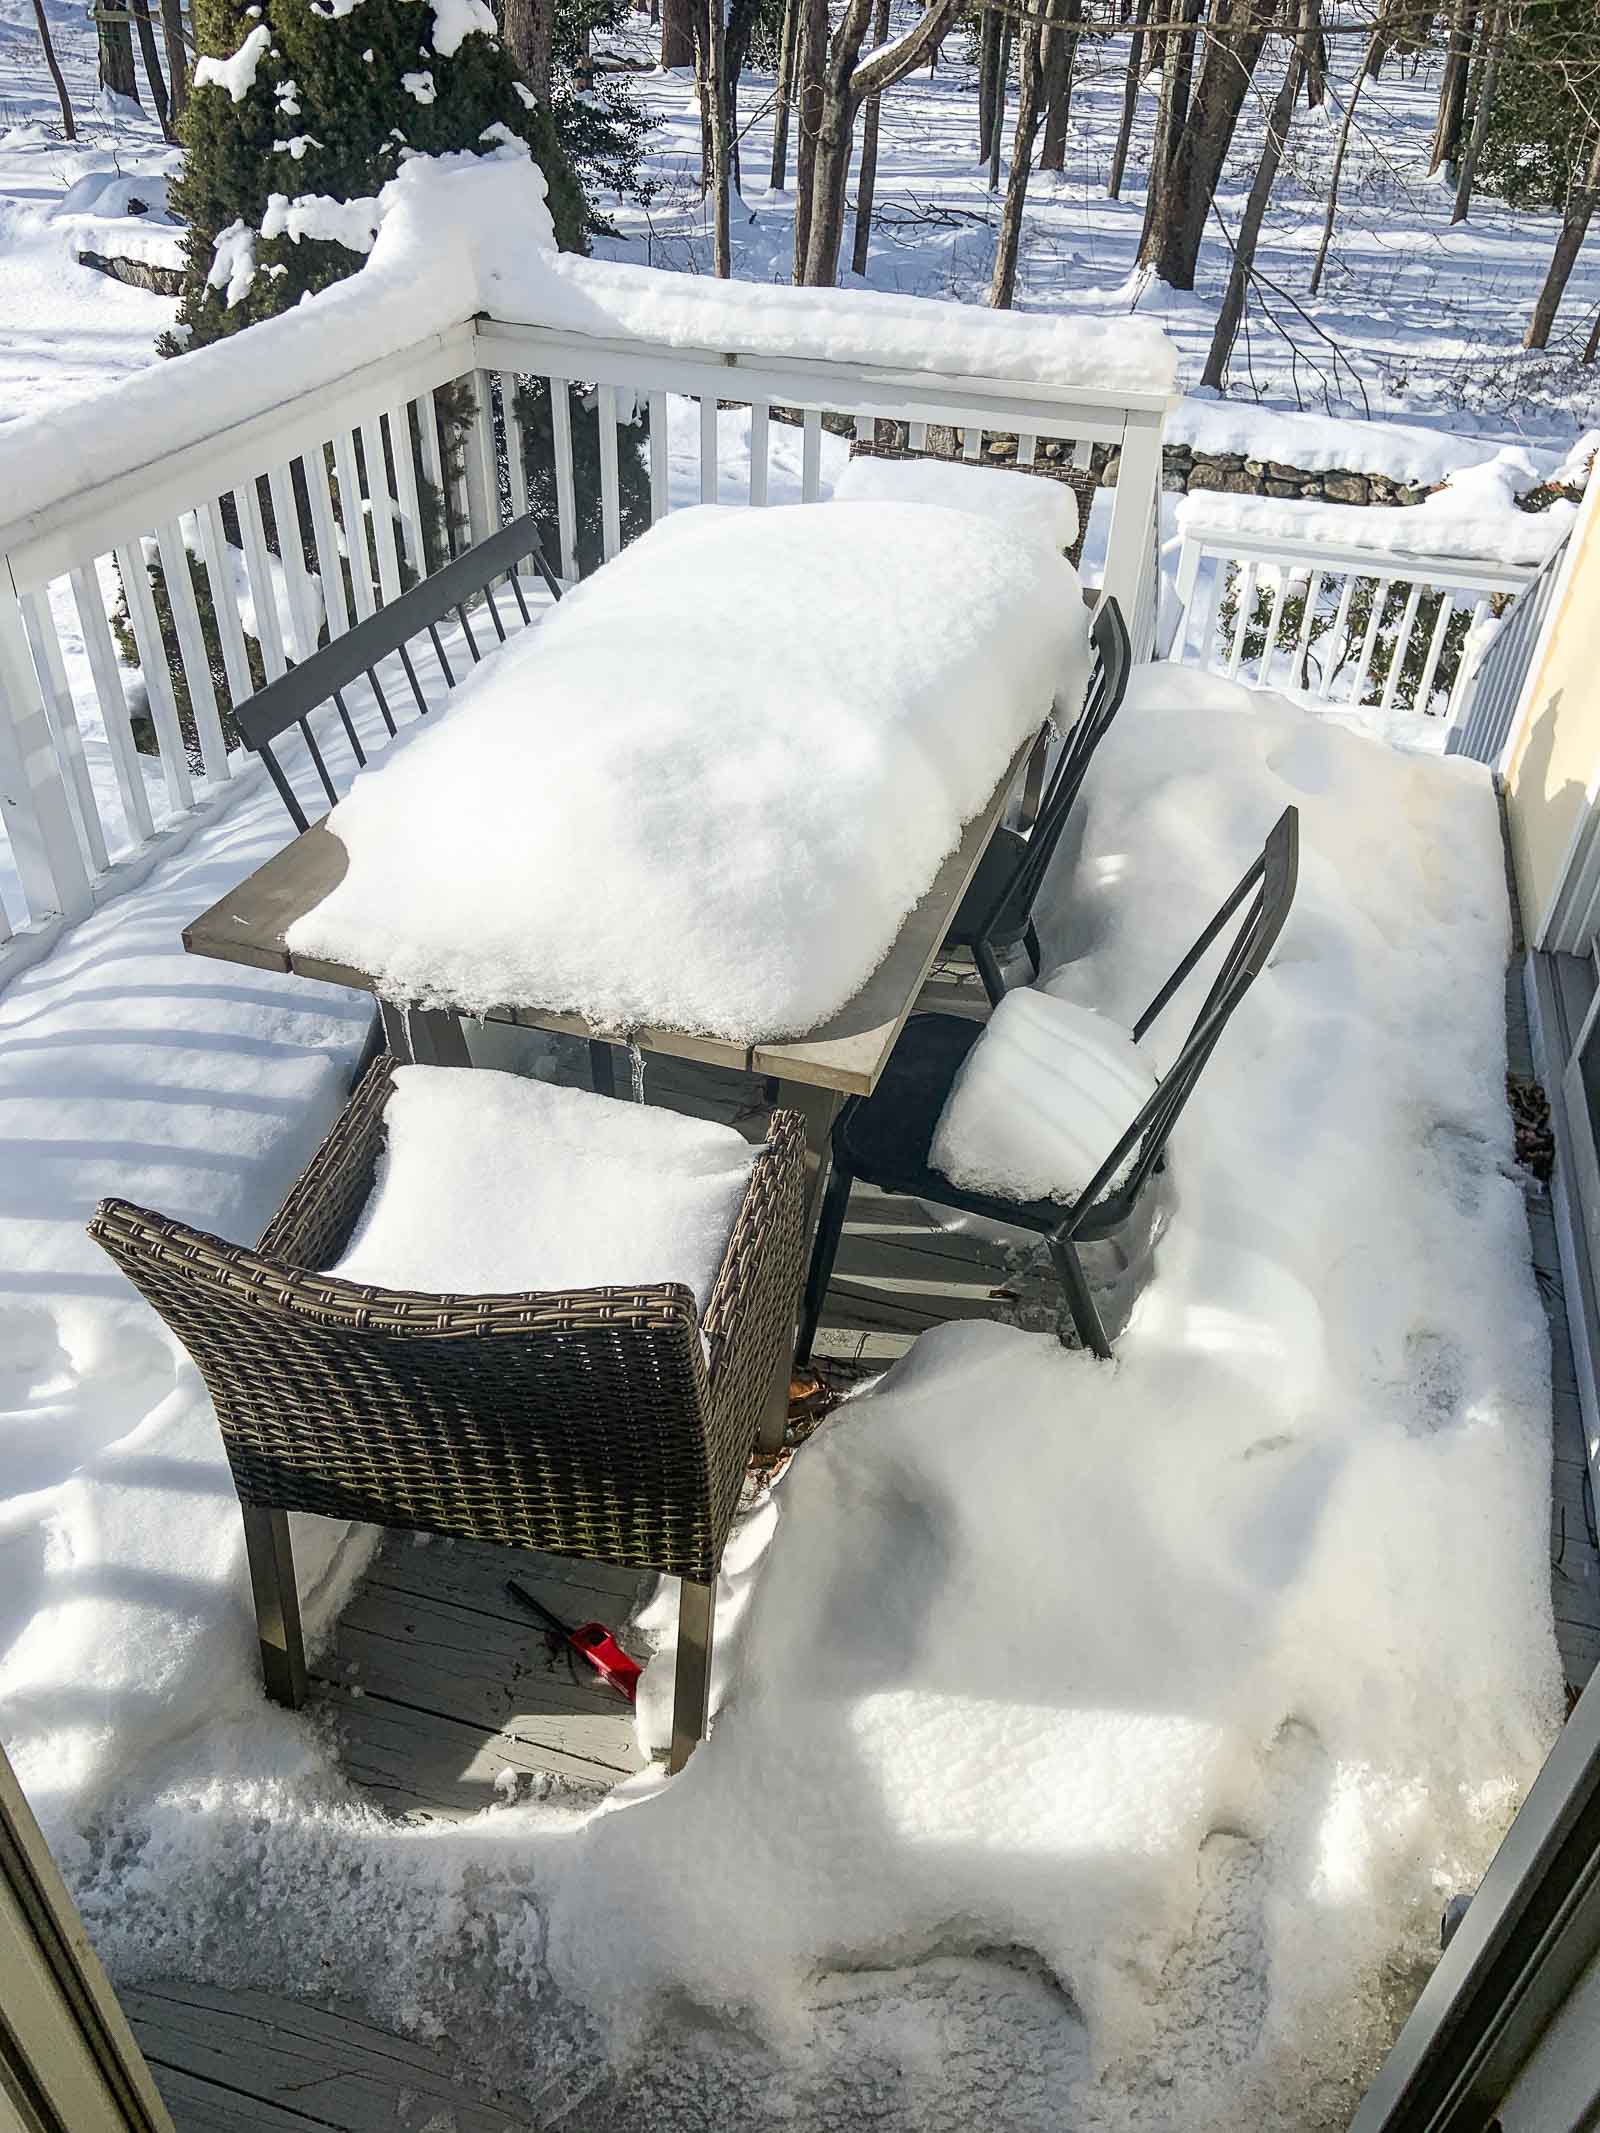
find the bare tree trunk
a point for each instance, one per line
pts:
(677, 33)
(711, 72)
(528, 27)
(1130, 98)
(988, 77)
(1201, 150)
(1581, 204)
(811, 63)
(1494, 34)
(116, 58)
(146, 31)
(1279, 121)
(1171, 113)
(1317, 71)
(1591, 347)
(1031, 75)
(843, 82)
(780, 118)
(177, 56)
(1363, 75)
(69, 125)
(1453, 87)
(1379, 42)
(997, 124)
(1060, 63)
(867, 175)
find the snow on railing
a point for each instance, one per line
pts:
(179, 540)
(1271, 596)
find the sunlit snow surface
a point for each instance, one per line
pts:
(1097, 1744)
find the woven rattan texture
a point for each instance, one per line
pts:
(586, 1423)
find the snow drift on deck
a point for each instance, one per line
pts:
(1103, 1739)
(706, 792)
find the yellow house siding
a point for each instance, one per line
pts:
(1555, 755)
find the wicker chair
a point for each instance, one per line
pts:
(608, 1424)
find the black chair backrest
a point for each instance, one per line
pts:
(1108, 684)
(290, 700)
(1268, 888)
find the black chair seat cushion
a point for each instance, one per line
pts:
(994, 880)
(884, 1138)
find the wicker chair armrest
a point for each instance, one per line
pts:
(315, 1223)
(750, 1316)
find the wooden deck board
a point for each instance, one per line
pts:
(251, 2062)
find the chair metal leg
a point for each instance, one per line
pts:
(602, 1068)
(1030, 941)
(1085, 1316)
(830, 1228)
(994, 978)
(691, 1693)
(277, 1600)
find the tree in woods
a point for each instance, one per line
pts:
(1198, 145)
(146, 30)
(1488, 78)
(1044, 22)
(788, 36)
(1279, 120)
(1451, 122)
(68, 124)
(115, 28)
(1546, 103)
(867, 169)
(1579, 212)
(833, 81)
(1060, 64)
(677, 32)
(172, 36)
(1346, 124)
(1176, 44)
(1137, 59)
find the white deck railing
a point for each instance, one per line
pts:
(1347, 623)
(1492, 692)
(88, 802)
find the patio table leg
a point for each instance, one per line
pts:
(819, 1108)
(691, 1691)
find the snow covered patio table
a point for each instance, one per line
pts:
(723, 803)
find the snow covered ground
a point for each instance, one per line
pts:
(1416, 321)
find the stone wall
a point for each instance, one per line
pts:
(1186, 472)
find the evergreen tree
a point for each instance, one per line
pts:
(1542, 122)
(322, 98)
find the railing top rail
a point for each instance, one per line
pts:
(822, 382)
(1409, 567)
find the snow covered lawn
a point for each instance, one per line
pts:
(1097, 1743)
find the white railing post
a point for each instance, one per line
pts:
(1135, 520)
(33, 796)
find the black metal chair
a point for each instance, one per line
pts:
(995, 917)
(884, 1139)
(289, 702)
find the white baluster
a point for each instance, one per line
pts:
(33, 798)
(1334, 640)
(135, 575)
(659, 498)
(324, 531)
(610, 499)
(358, 547)
(516, 446)
(1436, 643)
(263, 582)
(709, 483)
(1247, 602)
(1380, 600)
(433, 471)
(109, 693)
(409, 497)
(192, 650)
(381, 503)
(566, 499)
(811, 456)
(303, 618)
(39, 622)
(1401, 642)
(760, 445)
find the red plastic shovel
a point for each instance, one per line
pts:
(592, 1642)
